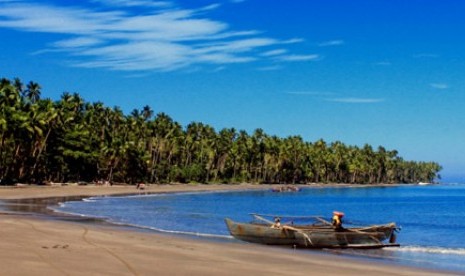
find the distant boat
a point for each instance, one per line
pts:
(320, 234)
(286, 188)
(424, 183)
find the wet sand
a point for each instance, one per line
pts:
(30, 245)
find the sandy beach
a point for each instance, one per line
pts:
(31, 245)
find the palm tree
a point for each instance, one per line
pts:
(147, 113)
(47, 122)
(19, 86)
(318, 152)
(33, 91)
(338, 152)
(224, 144)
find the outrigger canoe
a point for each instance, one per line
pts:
(320, 234)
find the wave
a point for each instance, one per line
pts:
(197, 234)
(429, 250)
(59, 211)
(90, 199)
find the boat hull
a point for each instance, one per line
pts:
(313, 237)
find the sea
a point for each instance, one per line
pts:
(431, 218)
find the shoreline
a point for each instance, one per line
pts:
(58, 247)
(27, 191)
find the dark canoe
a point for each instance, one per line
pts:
(287, 188)
(323, 236)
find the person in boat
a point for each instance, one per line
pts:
(337, 220)
(277, 223)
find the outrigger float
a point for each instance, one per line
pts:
(319, 233)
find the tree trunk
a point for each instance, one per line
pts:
(41, 148)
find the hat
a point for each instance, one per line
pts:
(339, 214)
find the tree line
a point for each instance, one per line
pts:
(73, 140)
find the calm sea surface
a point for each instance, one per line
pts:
(432, 217)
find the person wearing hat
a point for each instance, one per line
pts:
(337, 220)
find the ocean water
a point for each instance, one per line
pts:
(432, 217)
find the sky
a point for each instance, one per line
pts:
(384, 72)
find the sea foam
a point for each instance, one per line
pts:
(429, 250)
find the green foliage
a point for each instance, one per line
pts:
(73, 140)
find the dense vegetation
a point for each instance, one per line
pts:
(72, 140)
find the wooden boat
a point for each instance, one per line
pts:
(286, 188)
(320, 234)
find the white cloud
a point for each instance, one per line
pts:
(77, 42)
(219, 69)
(162, 38)
(331, 43)
(135, 3)
(243, 45)
(293, 40)
(270, 68)
(47, 19)
(210, 7)
(274, 52)
(299, 57)
(440, 86)
(356, 100)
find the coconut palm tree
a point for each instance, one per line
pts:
(33, 91)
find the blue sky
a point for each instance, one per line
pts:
(385, 72)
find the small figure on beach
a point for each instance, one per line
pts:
(140, 186)
(337, 220)
(277, 223)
